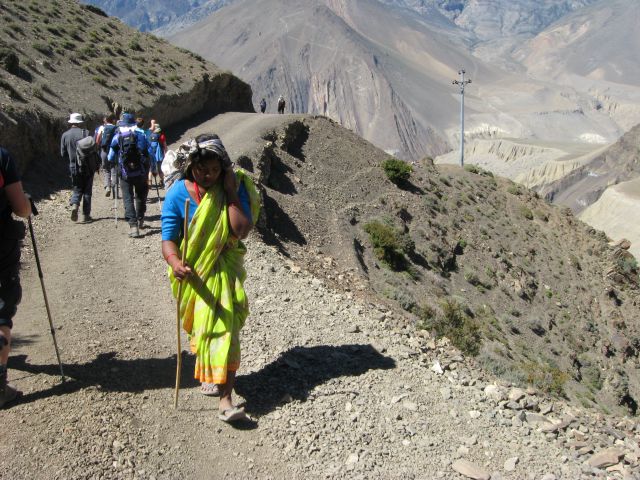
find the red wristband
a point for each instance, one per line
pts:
(169, 256)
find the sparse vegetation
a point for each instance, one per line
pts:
(453, 323)
(397, 171)
(515, 189)
(526, 212)
(547, 377)
(389, 244)
(9, 61)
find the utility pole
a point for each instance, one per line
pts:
(462, 82)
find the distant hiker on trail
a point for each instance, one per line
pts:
(263, 105)
(130, 151)
(281, 104)
(12, 200)
(157, 149)
(83, 163)
(214, 304)
(105, 135)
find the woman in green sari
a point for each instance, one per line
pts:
(214, 304)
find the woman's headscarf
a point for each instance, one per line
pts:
(190, 153)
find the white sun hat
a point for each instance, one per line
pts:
(75, 118)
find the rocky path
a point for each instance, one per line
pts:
(338, 388)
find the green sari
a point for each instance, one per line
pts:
(214, 304)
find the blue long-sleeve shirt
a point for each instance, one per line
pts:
(173, 213)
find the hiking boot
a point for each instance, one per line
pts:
(134, 231)
(141, 224)
(8, 395)
(87, 219)
(74, 213)
(107, 191)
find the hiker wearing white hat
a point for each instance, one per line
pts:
(82, 182)
(75, 119)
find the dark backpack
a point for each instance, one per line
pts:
(130, 155)
(108, 133)
(86, 154)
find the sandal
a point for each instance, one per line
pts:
(232, 414)
(210, 389)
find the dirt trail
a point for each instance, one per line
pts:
(116, 330)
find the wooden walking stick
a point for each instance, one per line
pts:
(185, 242)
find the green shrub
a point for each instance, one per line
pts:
(627, 265)
(43, 48)
(13, 93)
(397, 171)
(9, 61)
(546, 377)
(472, 168)
(514, 189)
(96, 10)
(134, 44)
(455, 324)
(542, 215)
(99, 80)
(389, 244)
(445, 181)
(526, 212)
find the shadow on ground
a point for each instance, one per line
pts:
(299, 370)
(296, 372)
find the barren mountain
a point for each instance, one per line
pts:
(62, 58)
(147, 15)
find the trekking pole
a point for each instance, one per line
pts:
(116, 192)
(185, 242)
(34, 212)
(155, 181)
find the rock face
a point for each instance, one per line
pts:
(613, 211)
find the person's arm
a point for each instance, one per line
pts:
(171, 255)
(20, 204)
(239, 223)
(63, 148)
(172, 219)
(113, 149)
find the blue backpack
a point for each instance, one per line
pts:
(155, 149)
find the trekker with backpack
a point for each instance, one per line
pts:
(157, 149)
(13, 200)
(78, 148)
(263, 105)
(130, 151)
(104, 138)
(281, 104)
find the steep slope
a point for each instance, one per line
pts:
(540, 297)
(64, 57)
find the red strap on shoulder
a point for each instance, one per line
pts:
(1, 180)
